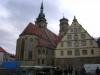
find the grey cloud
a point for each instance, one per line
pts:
(25, 11)
(7, 39)
(22, 12)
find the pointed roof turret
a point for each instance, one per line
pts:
(42, 7)
(41, 16)
(41, 20)
(75, 20)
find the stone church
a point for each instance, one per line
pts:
(37, 45)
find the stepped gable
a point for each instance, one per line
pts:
(2, 50)
(46, 37)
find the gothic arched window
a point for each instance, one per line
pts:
(31, 39)
(30, 55)
(22, 49)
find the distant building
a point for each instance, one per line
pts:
(76, 47)
(9, 57)
(5, 56)
(2, 55)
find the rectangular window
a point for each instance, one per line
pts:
(69, 52)
(39, 60)
(43, 61)
(62, 44)
(39, 51)
(83, 36)
(84, 52)
(76, 43)
(91, 42)
(92, 51)
(69, 43)
(79, 29)
(69, 36)
(75, 30)
(83, 43)
(76, 36)
(62, 53)
(71, 30)
(77, 52)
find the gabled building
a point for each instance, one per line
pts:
(36, 44)
(5, 56)
(2, 55)
(76, 47)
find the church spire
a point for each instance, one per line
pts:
(41, 14)
(63, 15)
(41, 7)
(40, 20)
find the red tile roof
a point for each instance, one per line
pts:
(46, 37)
(2, 50)
(43, 42)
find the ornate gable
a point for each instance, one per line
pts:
(76, 40)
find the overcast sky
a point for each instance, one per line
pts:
(16, 14)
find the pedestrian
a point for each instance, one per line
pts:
(66, 71)
(70, 70)
(77, 72)
(97, 71)
(57, 71)
(83, 71)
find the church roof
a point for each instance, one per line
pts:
(2, 50)
(43, 42)
(30, 29)
(46, 37)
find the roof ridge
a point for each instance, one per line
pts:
(49, 37)
(28, 29)
(2, 50)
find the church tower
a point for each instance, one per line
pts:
(40, 20)
(63, 26)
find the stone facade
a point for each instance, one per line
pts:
(29, 50)
(36, 44)
(76, 47)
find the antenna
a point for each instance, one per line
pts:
(63, 14)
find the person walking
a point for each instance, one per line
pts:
(97, 71)
(70, 70)
(66, 71)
